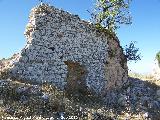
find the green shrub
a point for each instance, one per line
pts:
(132, 52)
(158, 57)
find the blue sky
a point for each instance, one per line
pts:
(145, 28)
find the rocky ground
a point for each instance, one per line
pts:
(138, 100)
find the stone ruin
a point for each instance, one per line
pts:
(68, 52)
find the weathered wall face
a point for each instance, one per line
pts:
(56, 38)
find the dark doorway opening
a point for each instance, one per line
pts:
(76, 79)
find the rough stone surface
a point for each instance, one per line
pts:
(136, 100)
(158, 93)
(55, 37)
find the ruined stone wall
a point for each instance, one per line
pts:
(55, 38)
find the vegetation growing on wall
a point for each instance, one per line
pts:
(112, 13)
(108, 16)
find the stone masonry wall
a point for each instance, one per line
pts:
(55, 37)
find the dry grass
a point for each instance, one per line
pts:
(145, 77)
